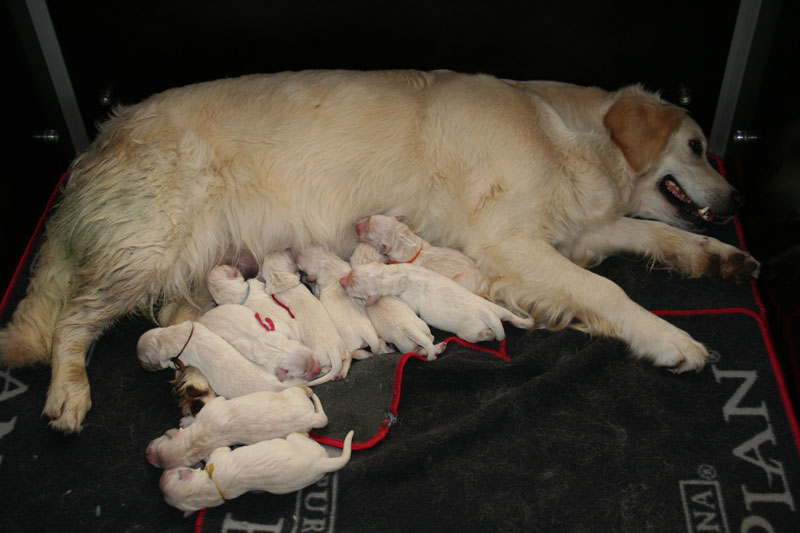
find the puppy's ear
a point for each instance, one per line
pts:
(640, 126)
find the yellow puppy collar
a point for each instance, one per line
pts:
(209, 469)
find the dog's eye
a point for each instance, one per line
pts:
(696, 147)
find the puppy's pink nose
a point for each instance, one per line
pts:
(362, 227)
(345, 281)
(152, 457)
(316, 368)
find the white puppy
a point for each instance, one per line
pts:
(227, 286)
(244, 420)
(438, 300)
(315, 327)
(324, 269)
(394, 320)
(228, 372)
(393, 238)
(279, 466)
(262, 340)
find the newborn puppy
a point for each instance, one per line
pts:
(279, 466)
(262, 340)
(228, 372)
(438, 300)
(324, 269)
(244, 420)
(192, 389)
(227, 286)
(393, 238)
(392, 318)
(315, 327)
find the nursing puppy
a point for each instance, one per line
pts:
(315, 327)
(531, 180)
(244, 420)
(278, 466)
(395, 322)
(438, 300)
(227, 285)
(324, 269)
(395, 239)
(262, 340)
(228, 372)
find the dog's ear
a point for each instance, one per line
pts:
(640, 126)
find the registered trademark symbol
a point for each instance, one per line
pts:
(713, 357)
(707, 472)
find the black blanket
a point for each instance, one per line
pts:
(547, 431)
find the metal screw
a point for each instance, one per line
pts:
(48, 136)
(745, 136)
(685, 96)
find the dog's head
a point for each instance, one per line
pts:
(370, 281)
(666, 150)
(189, 489)
(226, 285)
(385, 232)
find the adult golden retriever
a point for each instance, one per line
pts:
(533, 180)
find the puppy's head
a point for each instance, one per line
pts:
(189, 489)
(226, 285)
(384, 232)
(168, 450)
(370, 281)
(157, 346)
(366, 253)
(666, 150)
(297, 363)
(279, 271)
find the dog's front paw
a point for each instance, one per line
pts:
(67, 404)
(675, 350)
(736, 266)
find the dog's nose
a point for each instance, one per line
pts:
(345, 282)
(315, 369)
(737, 198)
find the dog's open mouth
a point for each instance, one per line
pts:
(673, 192)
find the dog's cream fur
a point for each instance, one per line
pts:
(395, 322)
(393, 238)
(532, 180)
(244, 420)
(437, 299)
(229, 373)
(315, 327)
(324, 269)
(279, 466)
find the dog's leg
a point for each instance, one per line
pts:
(694, 255)
(531, 276)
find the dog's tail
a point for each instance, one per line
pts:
(338, 462)
(28, 337)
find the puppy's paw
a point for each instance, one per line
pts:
(67, 404)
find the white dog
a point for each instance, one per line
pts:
(315, 327)
(395, 322)
(244, 420)
(227, 286)
(532, 180)
(393, 238)
(279, 466)
(324, 269)
(262, 339)
(438, 300)
(229, 373)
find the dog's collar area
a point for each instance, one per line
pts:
(673, 192)
(177, 359)
(393, 262)
(246, 295)
(209, 469)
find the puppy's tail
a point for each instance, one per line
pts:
(28, 337)
(338, 462)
